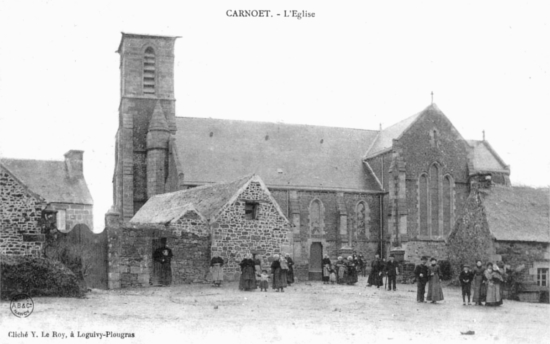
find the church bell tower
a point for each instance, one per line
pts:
(147, 120)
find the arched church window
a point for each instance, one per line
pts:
(363, 216)
(447, 204)
(149, 71)
(316, 217)
(434, 200)
(423, 204)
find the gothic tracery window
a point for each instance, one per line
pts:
(316, 217)
(434, 200)
(435, 203)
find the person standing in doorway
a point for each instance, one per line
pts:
(162, 258)
(422, 275)
(392, 270)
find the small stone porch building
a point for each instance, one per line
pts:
(232, 219)
(34, 191)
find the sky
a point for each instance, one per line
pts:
(356, 64)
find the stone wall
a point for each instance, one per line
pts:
(527, 254)
(190, 243)
(75, 214)
(234, 236)
(131, 252)
(20, 212)
(414, 250)
(471, 238)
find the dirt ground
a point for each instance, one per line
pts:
(307, 311)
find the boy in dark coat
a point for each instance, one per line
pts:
(466, 277)
(422, 275)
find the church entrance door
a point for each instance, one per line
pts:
(315, 258)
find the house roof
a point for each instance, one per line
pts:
(50, 180)
(207, 200)
(287, 155)
(485, 158)
(384, 140)
(518, 213)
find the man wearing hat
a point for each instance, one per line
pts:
(422, 275)
(392, 271)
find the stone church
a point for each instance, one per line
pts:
(396, 189)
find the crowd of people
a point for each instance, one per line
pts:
(483, 282)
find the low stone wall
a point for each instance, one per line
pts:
(414, 250)
(131, 255)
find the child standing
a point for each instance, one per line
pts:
(264, 280)
(466, 277)
(332, 275)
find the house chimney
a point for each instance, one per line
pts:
(74, 163)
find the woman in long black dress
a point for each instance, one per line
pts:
(248, 274)
(326, 269)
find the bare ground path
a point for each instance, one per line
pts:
(306, 312)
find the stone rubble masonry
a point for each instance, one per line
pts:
(234, 236)
(20, 212)
(76, 214)
(131, 246)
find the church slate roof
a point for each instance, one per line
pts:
(485, 159)
(288, 155)
(518, 213)
(384, 140)
(50, 180)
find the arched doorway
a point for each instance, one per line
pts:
(315, 259)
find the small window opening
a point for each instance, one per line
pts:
(149, 74)
(251, 211)
(542, 277)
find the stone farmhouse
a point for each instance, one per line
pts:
(33, 191)
(508, 225)
(399, 189)
(232, 219)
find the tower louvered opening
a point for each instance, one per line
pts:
(149, 75)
